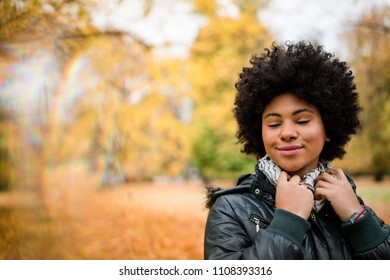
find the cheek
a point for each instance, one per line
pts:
(317, 134)
(263, 134)
(269, 137)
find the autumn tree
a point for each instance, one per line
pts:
(29, 29)
(131, 118)
(369, 44)
(45, 23)
(5, 161)
(222, 48)
(125, 111)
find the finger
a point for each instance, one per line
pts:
(283, 177)
(309, 189)
(322, 191)
(323, 184)
(328, 176)
(295, 179)
(322, 187)
(319, 192)
(338, 173)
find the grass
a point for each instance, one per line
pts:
(77, 219)
(376, 195)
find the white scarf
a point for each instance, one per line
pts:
(272, 172)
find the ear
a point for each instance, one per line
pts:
(327, 139)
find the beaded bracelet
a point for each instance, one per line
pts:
(353, 218)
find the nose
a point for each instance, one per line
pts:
(288, 132)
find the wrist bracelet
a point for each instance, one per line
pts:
(356, 216)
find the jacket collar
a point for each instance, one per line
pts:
(261, 184)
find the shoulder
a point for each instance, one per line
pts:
(243, 186)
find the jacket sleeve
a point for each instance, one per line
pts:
(369, 237)
(226, 237)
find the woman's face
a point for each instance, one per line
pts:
(293, 134)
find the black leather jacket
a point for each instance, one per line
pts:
(244, 224)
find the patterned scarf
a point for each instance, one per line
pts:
(272, 172)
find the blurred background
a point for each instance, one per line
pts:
(114, 115)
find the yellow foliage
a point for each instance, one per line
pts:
(218, 55)
(207, 7)
(133, 111)
(369, 44)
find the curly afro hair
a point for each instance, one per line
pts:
(312, 75)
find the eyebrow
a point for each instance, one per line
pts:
(294, 113)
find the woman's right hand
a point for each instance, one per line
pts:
(293, 197)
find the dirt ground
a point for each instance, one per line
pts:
(81, 220)
(75, 218)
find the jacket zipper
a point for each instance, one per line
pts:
(313, 217)
(257, 222)
(321, 233)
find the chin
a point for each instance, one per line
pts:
(292, 170)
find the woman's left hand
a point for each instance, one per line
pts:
(335, 187)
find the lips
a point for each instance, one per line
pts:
(289, 150)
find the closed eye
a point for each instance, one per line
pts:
(303, 122)
(274, 125)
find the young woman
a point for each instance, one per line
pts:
(296, 109)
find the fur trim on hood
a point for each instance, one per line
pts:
(243, 185)
(210, 199)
